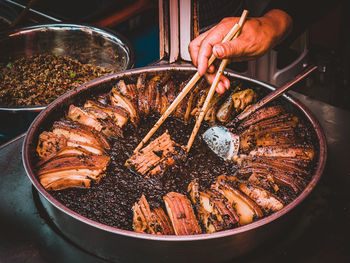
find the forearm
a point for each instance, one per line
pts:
(302, 13)
(280, 23)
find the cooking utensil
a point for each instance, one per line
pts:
(224, 142)
(127, 246)
(235, 29)
(212, 89)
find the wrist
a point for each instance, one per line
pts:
(280, 24)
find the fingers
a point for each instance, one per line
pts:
(205, 50)
(230, 49)
(223, 84)
(194, 47)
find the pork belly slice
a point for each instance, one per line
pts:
(277, 123)
(117, 99)
(280, 176)
(155, 157)
(92, 148)
(245, 207)
(283, 138)
(213, 209)
(267, 201)
(181, 214)
(93, 164)
(55, 183)
(80, 115)
(75, 131)
(49, 144)
(119, 115)
(266, 182)
(65, 151)
(278, 164)
(261, 114)
(70, 168)
(129, 91)
(96, 119)
(149, 221)
(143, 104)
(154, 90)
(292, 151)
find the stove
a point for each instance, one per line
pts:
(319, 233)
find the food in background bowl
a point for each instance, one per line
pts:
(40, 79)
(73, 42)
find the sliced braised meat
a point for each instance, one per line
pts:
(213, 209)
(280, 122)
(129, 91)
(295, 151)
(69, 180)
(49, 144)
(280, 176)
(66, 150)
(181, 214)
(277, 164)
(251, 140)
(119, 115)
(265, 181)
(93, 148)
(83, 117)
(155, 157)
(245, 207)
(154, 90)
(65, 171)
(75, 131)
(149, 221)
(96, 119)
(262, 114)
(119, 100)
(266, 200)
(143, 103)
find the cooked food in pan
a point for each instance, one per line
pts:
(86, 159)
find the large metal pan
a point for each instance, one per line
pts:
(83, 42)
(127, 246)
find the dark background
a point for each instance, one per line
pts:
(138, 21)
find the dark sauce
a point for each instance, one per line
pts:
(110, 201)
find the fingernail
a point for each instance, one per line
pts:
(219, 50)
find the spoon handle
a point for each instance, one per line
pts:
(276, 93)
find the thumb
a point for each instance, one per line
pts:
(228, 49)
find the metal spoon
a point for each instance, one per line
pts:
(223, 142)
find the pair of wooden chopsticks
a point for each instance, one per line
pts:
(234, 32)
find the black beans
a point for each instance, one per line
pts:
(110, 201)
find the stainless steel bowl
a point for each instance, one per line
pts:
(127, 246)
(86, 43)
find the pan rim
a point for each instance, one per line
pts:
(254, 225)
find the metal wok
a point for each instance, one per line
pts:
(127, 246)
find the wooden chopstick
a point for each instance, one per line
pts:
(205, 107)
(187, 88)
(211, 92)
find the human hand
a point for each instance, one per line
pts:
(257, 37)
